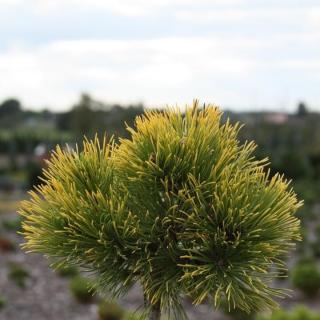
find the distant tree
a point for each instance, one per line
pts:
(82, 121)
(294, 165)
(34, 171)
(314, 158)
(90, 115)
(302, 109)
(46, 114)
(10, 107)
(63, 120)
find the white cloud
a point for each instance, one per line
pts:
(228, 51)
(127, 8)
(9, 2)
(205, 16)
(314, 16)
(156, 71)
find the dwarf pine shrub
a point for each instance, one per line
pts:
(182, 207)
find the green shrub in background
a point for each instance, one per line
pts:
(110, 311)
(34, 171)
(2, 302)
(306, 277)
(309, 191)
(81, 289)
(298, 313)
(181, 207)
(67, 271)
(18, 274)
(12, 224)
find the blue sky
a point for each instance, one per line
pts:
(239, 54)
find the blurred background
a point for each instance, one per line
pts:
(74, 68)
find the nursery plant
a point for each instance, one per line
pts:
(67, 271)
(109, 310)
(2, 302)
(81, 289)
(18, 274)
(300, 312)
(306, 277)
(182, 207)
(12, 224)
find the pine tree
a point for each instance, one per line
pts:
(182, 207)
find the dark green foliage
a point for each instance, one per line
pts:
(81, 289)
(294, 165)
(316, 248)
(10, 107)
(13, 224)
(297, 139)
(18, 274)
(67, 271)
(25, 140)
(317, 231)
(314, 158)
(90, 116)
(302, 109)
(315, 245)
(83, 116)
(2, 302)
(34, 172)
(181, 207)
(308, 190)
(306, 277)
(110, 311)
(305, 259)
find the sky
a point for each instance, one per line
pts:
(239, 54)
